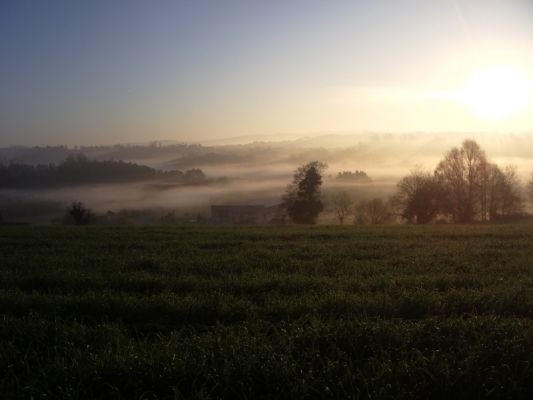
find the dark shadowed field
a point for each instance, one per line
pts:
(266, 312)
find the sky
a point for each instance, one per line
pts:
(100, 72)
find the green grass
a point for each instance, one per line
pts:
(204, 312)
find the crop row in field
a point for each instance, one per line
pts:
(266, 312)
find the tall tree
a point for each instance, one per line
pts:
(303, 199)
(460, 173)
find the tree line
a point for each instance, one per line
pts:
(465, 187)
(79, 170)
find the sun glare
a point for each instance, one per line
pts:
(497, 92)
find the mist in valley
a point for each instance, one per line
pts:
(253, 173)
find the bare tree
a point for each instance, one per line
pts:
(501, 193)
(78, 214)
(420, 197)
(342, 203)
(374, 212)
(460, 173)
(490, 191)
(512, 201)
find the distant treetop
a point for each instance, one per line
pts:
(355, 176)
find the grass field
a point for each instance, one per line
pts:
(266, 312)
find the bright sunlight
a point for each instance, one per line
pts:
(496, 92)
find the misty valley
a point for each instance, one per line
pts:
(171, 183)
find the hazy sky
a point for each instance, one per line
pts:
(79, 72)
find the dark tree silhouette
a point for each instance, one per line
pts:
(78, 214)
(501, 193)
(460, 173)
(511, 198)
(303, 200)
(420, 197)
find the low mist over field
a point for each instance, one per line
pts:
(254, 172)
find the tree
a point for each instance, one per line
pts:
(512, 201)
(530, 189)
(374, 212)
(490, 194)
(419, 198)
(342, 203)
(303, 200)
(501, 193)
(460, 173)
(78, 214)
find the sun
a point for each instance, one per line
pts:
(496, 92)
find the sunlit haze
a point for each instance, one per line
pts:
(136, 71)
(493, 93)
